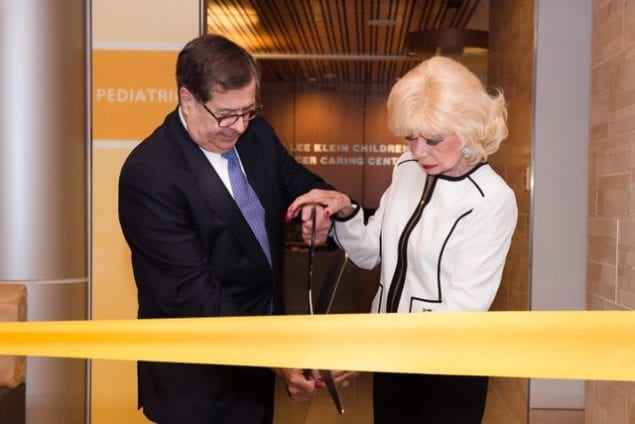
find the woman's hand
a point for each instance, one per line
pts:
(333, 202)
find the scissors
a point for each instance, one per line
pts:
(325, 301)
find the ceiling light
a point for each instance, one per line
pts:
(446, 41)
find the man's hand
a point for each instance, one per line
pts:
(342, 378)
(300, 386)
(322, 224)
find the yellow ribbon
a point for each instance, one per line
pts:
(574, 345)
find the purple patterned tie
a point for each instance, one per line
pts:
(247, 201)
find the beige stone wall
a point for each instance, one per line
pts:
(611, 244)
(511, 68)
(12, 308)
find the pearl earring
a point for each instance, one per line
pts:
(467, 153)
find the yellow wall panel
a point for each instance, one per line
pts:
(145, 21)
(114, 399)
(114, 383)
(135, 44)
(114, 292)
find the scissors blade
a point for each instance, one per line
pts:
(330, 386)
(331, 283)
(323, 306)
(309, 278)
(328, 378)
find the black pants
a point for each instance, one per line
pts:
(429, 399)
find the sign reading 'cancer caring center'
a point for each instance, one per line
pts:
(347, 154)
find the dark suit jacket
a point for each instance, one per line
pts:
(194, 255)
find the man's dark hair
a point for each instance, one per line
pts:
(212, 63)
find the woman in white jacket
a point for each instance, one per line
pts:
(442, 230)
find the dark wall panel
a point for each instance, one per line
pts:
(339, 131)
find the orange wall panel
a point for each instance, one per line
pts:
(132, 92)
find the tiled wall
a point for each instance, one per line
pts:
(511, 68)
(611, 244)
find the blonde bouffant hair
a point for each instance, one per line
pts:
(441, 96)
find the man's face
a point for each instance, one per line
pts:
(204, 128)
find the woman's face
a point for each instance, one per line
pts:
(438, 154)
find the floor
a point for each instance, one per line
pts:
(553, 416)
(357, 402)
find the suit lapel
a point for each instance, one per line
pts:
(215, 194)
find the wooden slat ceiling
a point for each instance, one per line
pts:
(344, 41)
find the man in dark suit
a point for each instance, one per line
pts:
(195, 252)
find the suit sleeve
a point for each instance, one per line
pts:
(170, 263)
(297, 179)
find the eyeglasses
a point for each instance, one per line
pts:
(229, 120)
